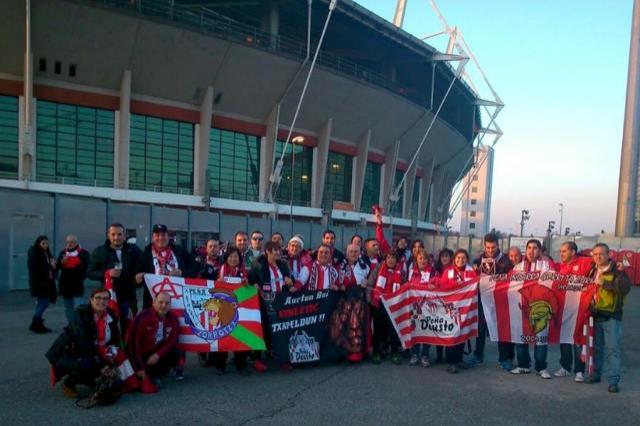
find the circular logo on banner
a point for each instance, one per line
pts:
(211, 315)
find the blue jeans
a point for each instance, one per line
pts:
(41, 306)
(608, 337)
(420, 350)
(539, 354)
(70, 304)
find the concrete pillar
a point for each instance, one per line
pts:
(267, 150)
(446, 198)
(122, 137)
(628, 183)
(407, 196)
(274, 22)
(436, 194)
(390, 163)
(424, 189)
(360, 169)
(319, 172)
(201, 144)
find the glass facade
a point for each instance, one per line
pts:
(338, 179)
(74, 144)
(234, 165)
(302, 174)
(371, 187)
(8, 137)
(161, 155)
(396, 208)
(416, 198)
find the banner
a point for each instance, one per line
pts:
(213, 316)
(536, 307)
(434, 317)
(308, 327)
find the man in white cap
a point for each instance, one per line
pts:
(296, 257)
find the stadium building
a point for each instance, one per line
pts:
(176, 111)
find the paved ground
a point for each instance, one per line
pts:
(340, 394)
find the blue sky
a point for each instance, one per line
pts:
(560, 67)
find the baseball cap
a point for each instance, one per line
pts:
(159, 228)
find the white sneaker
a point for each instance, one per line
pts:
(562, 373)
(579, 377)
(544, 374)
(520, 370)
(413, 360)
(425, 361)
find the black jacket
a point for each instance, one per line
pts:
(41, 275)
(259, 273)
(77, 342)
(502, 264)
(104, 258)
(145, 265)
(72, 276)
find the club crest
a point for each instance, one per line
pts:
(211, 315)
(303, 348)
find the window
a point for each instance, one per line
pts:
(74, 144)
(338, 180)
(161, 155)
(474, 189)
(8, 136)
(301, 162)
(234, 165)
(474, 201)
(43, 65)
(472, 225)
(396, 208)
(371, 187)
(57, 67)
(475, 177)
(72, 70)
(472, 213)
(416, 198)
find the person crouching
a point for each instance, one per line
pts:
(153, 343)
(88, 345)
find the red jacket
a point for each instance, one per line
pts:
(388, 282)
(144, 339)
(580, 265)
(453, 277)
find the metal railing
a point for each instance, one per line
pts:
(71, 180)
(227, 28)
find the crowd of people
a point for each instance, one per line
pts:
(142, 343)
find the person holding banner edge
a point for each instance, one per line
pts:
(420, 273)
(533, 262)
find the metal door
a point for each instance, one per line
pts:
(24, 230)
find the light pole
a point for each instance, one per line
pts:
(294, 141)
(561, 210)
(525, 216)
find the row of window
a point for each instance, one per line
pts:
(76, 145)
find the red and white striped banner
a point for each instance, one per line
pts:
(434, 317)
(536, 307)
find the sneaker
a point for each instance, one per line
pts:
(376, 359)
(396, 359)
(506, 365)
(562, 373)
(414, 360)
(260, 366)
(544, 374)
(452, 369)
(425, 361)
(614, 389)
(69, 391)
(179, 374)
(520, 370)
(579, 377)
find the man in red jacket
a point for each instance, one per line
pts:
(152, 343)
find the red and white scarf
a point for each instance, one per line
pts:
(353, 275)
(227, 271)
(418, 276)
(113, 300)
(72, 256)
(321, 277)
(276, 278)
(164, 261)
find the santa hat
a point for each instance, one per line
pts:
(298, 239)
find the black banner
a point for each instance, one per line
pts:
(323, 326)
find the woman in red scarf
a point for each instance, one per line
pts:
(452, 277)
(232, 272)
(88, 345)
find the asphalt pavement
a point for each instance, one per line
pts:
(333, 395)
